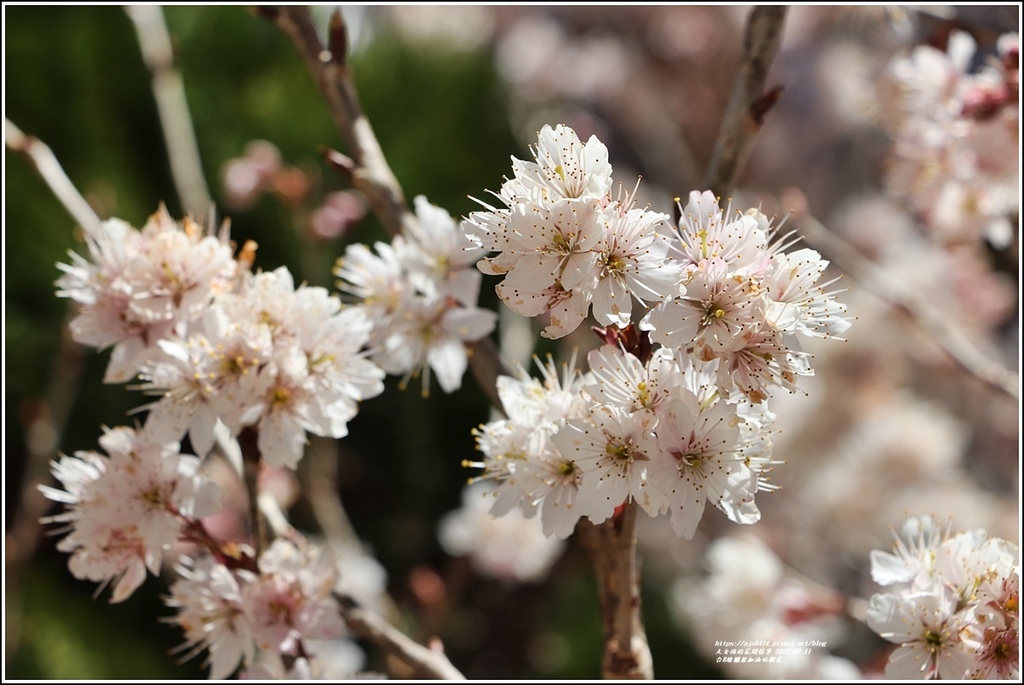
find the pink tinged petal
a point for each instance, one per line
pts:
(497, 266)
(169, 419)
(954, 662)
(507, 496)
(558, 519)
(331, 420)
(566, 314)
(464, 286)
(784, 316)
(885, 617)
(447, 358)
(469, 325)
(745, 512)
(129, 581)
(364, 378)
(672, 324)
(195, 495)
(282, 439)
(909, 662)
(125, 360)
(686, 517)
(201, 431)
(580, 268)
(598, 505)
(224, 658)
(612, 303)
(534, 272)
(887, 569)
(525, 302)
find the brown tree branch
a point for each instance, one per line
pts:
(252, 463)
(612, 549)
(749, 100)
(424, 662)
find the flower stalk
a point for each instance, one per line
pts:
(612, 549)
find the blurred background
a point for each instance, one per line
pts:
(889, 426)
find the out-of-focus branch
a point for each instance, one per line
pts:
(612, 548)
(424, 662)
(892, 290)
(749, 101)
(330, 514)
(365, 163)
(175, 120)
(49, 168)
(44, 430)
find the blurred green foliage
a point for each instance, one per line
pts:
(75, 79)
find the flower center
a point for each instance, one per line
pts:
(712, 313)
(933, 640)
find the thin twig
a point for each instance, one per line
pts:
(49, 168)
(172, 105)
(749, 101)
(329, 511)
(612, 549)
(365, 163)
(918, 309)
(248, 442)
(425, 663)
(371, 173)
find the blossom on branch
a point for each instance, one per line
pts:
(283, 608)
(420, 292)
(955, 610)
(138, 287)
(671, 414)
(564, 242)
(286, 360)
(952, 129)
(126, 509)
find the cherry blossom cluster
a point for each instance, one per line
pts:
(673, 411)
(140, 286)
(953, 129)
(420, 292)
(125, 509)
(655, 433)
(285, 360)
(216, 343)
(280, 609)
(565, 244)
(955, 607)
(223, 350)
